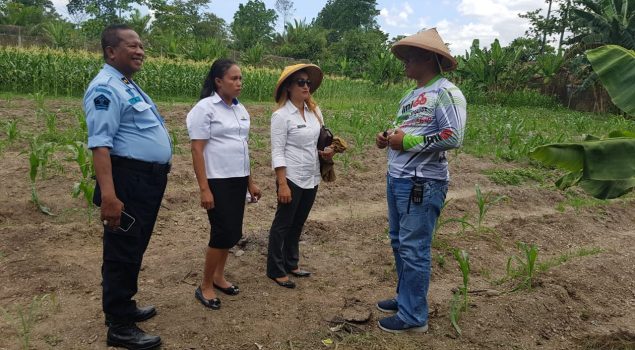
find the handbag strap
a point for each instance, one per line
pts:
(318, 114)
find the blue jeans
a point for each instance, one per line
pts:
(410, 228)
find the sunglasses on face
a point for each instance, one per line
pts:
(303, 82)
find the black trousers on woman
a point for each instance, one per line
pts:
(284, 236)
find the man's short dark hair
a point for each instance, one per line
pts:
(109, 36)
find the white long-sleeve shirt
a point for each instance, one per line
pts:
(294, 144)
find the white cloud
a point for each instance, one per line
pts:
(486, 20)
(397, 16)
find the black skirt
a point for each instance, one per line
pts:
(226, 218)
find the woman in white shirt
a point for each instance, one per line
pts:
(295, 127)
(218, 126)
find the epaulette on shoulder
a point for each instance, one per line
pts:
(103, 79)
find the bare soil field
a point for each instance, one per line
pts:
(585, 302)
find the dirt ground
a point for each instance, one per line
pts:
(586, 302)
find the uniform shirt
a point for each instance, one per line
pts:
(433, 118)
(120, 116)
(294, 144)
(226, 129)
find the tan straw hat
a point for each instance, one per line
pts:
(314, 72)
(429, 40)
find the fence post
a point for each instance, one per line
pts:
(19, 37)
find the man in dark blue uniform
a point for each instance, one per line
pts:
(131, 153)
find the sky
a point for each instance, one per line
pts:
(458, 21)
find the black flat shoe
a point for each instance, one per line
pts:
(287, 284)
(130, 336)
(300, 273)
(231, 290)
(213, 304)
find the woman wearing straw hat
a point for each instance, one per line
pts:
(295, 127)
(430, 120)
(218, 126)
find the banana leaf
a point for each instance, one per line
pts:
(615, 66)
(603, 168)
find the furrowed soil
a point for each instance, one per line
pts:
(50, 265)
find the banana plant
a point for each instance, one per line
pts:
(604, 168)
(615, 66)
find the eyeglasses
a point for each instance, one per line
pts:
(302, 82)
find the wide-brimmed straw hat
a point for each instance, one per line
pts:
(429, 40)
(314, 72)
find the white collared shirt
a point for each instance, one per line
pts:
(294, 144)
(226, 129)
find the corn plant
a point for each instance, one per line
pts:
(84, 159)
(11, 128)
(456, 308)
(527, 266)
(463, 259)
(25, 318)
(38, 161)
(51, 122)
(174, 141)
(484, 202)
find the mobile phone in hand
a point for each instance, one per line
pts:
(126, 221)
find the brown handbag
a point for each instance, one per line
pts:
(326, 136)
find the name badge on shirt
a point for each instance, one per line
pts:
(134, 100)
(300, 126)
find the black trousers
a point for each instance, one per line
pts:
(284, 236)
(141, 192)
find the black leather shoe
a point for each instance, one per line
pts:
(231, 290)
(287, 284)
(131, 337)
(140, 315)
(300, 273)
(213, 304)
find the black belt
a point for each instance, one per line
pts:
(139, 165)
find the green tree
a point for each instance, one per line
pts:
(253, 23)
(341, 16)
(302, 40)
(27, 13)
(186, 17)
(596, 23)
(139, 22)
(105, 11)
(356, 47)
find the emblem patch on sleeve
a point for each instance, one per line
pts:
(101, 102)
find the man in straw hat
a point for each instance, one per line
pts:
(430, 120)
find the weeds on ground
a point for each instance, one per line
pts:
(578, 200)
(514, 177)
(563, 258)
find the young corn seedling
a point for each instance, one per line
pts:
(51, 122)
(527, 267)
(484, 202)
(456, 308)
(174, 138)
(11, 129)
(442, 222)
(25, 318)
(84, 160)
(38, 160)
(463, 259)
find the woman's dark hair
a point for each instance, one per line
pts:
(218, 70)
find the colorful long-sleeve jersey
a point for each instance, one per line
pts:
(433, 118)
